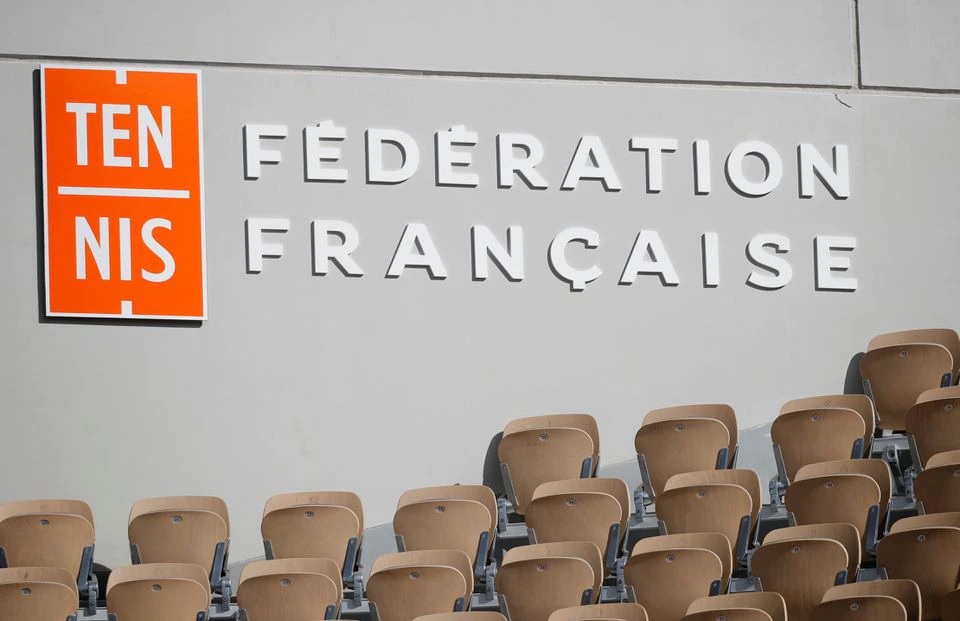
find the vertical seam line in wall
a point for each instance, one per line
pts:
(855, 25)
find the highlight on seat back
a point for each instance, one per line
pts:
(876, 469)
(930, 520)
(667, 581)
(934, 422)
(846, 535)
(405, 585)
(38, 594)
(729, 614)
(595, 612)
(717, 411)
(768, 601)
(715, 542)
(709, 508)
(778, 565)
(898, 374)
(535, 583)
(293, 589)
(946, 337)
(861, 404)
(47, 533)
(675, 446)
(815, 435)
(905, 591)
(158, 592)
(179, 529)
(838, 498)
(585, 550)
(534, 456)
(938, 487)
(747, 479)
(325, 524)
(583, 422)
(861, 608)
(581, 510)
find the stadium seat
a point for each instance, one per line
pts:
(715, 542)
(717, 411)
(729, 614)
(861, 404)
(595, 612)
(846, 534)
(929, 520)
(314, 525)
(839, 498)
(38, 594)
(905, 591)
(928, 556)
(861, 608)
(586, 550)
(158, 592)
(453, 520)
(800, 570)
(51, 533)
(876, 469)
(583, 422)
(406, 585)
(595, 510)
(946, 337)
(895, 376)
(463, 616)
(747, 479)
(535, 583)
(938, 487)
(290, 589)
(666, 579)
(950, 606)
(768, 601)
(934, 422)
(711, 508)
(530, 457)
(809, 436)
(675, 446)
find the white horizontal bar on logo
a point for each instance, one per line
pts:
(71, 190)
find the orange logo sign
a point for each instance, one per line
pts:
(123, 193)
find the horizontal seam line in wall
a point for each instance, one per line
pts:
(436, 73)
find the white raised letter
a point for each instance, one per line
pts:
(111, 135)
(323, 252)
(163, 138)
(315, 155)
(836, 178)
(780, 269)
(447, 158)
(99, 249)
(655, 148)
(590, 161)
(767, 155)
(416, 249)
(257, 249)
(169, 265)
(508, 163)
(509, 259)
(81, 110)
(578, 278)
(253, 153)
(649, 256)
(409, 155)
(827, 263)
(701, 166)
(710, 246)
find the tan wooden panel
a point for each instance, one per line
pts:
(747, 479)
(681, 445)
(583, 422)
(55, 505)
(463, 616)
(950, 606)
(846, 534)
(729, 614)
(899, 374)
(934, 421)
(861, 404)
(843, 498)
(416, 558)
(405, 593)
(37, 593)
(585, 550)
(442, 525)
(768, 601)
(944, 459)
(178, 536)
(928, 556)
(479, 493)
(939, 488)
(715, 542)
(536, 456)
(668, 581)
(947, 337)
(212, 504)
(929, 520)
(336, 498)
(717, 411)
(709, 508)
(815, 435)
(289, 589)
(580, 516)
(861, 608)
(158, 592)
(905, 591)
(534, 588)
(595, 612)
(876, 469)
(801, 571)
(46, 540)
(617, 488)
(314, 531)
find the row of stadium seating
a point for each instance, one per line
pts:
(863, 523)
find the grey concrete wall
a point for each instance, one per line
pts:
(379, 385)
